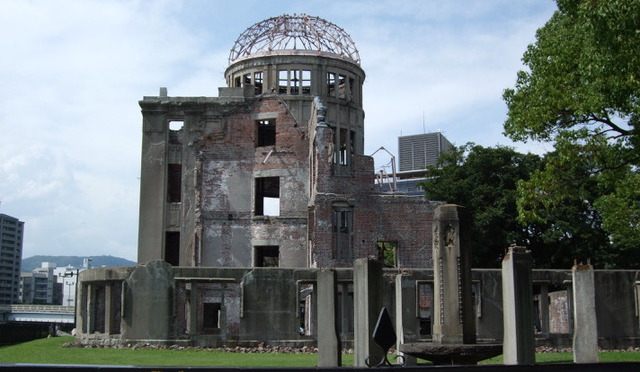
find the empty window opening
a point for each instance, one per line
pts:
(175, 132)
(267, 196)
(267, 256)
(211, 315)
(294, 82)
(344, 142)
(331, 84)
(387, 253)
(266, 132)
(342, 229)
(305, 303)
(172, 248)
(343, 90)
(257, 81)
(176, 125)
(98, 313)
(351, 85)
(345, 309)
(425, 308)
(237, 82)
(174, 183)
(283, 81)
(305, 82)
(246, 79)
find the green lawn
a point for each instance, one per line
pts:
(50, 351)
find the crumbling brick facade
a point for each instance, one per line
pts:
(272, 172)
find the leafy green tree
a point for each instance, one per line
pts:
(582, 93)
(484, 181)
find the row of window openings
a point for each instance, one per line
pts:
(267, 189)
(266, 131)
(269, 255)
(298, 82)
(266, 136)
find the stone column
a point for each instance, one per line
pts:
(368, 289)
(108, 308)
(453, 315)
(80, 304)
(517, 304)
(153, 175)
(404, 307)
(329, 351)
(544, 309)
(194, 299)
(90, 318)
(346, 305)
(585, 334)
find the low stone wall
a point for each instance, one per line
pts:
(215, 307)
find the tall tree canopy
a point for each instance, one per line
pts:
(582, 93)
(484, 180)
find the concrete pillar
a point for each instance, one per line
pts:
(517, 304)
(80, 308)
(149, 310)
(108, 308)
(570, 306)
(329, 350)
(153, 196)
(193, 308)
(345, 304)
(368, 289)
(544, 309)
(585, 334)
(90, 325)
(454, 318)
(404, 307)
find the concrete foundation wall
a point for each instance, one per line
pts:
(170, 305)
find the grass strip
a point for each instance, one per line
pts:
(51, 351)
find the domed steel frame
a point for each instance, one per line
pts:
(297, 34)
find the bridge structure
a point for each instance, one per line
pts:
(37, 314)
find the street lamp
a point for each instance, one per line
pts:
(70, 274)
(69, 284)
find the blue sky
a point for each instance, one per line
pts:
(72, 73)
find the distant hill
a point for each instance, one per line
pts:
(28, 264)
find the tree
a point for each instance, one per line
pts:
(582, 93)
(484, 181)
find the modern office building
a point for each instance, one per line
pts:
(419, 151)
(41, 286)
(11, 234)
(416, 153)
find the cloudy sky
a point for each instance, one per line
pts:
(72, 74)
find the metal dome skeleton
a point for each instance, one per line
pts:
(297, 34)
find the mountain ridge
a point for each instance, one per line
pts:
(31, 263)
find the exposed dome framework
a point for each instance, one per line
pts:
(297, 34)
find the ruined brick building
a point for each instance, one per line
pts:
(272, 172)
(246, 196)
